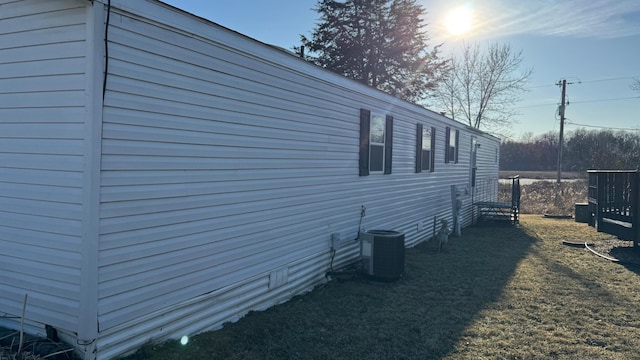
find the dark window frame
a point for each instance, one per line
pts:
(365, 143)
(451, 151)
(421, 153)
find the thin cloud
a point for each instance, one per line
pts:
(574, 18)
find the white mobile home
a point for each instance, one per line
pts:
(179, 174)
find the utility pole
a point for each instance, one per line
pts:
(563, 83)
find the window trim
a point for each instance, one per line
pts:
(365, 143)
(383, 144)
(447, 149)
(420, 150)
(365, 116)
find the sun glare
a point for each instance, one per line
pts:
(459, 20)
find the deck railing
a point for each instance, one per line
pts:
(614, 202)
(491, 205)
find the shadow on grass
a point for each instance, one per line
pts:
(421, 316)
(628, 256)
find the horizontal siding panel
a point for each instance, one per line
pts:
(224, 86)
(236, 127)
(43, 99)
(28, 260)
(231, 303)
(18, 9)
(192, 233)
(251, 151)
(42, 116)
(230, 136)
(21, 37)
(49, 67)
(65, 82)
(41, 177)
(123, 179)
(68, 195)
(41, 131)
(20, 18)
(234, 192)
(40, 305)
(42, 52)
(40, 146)
(41, 162)
(181, 274)
(122, 162)
(40, 239)
(139, 258)
(293, 200)
(40, 223)
(199, 60)
(118, 313)
(40, 284)
(210, 194)
(41, 208)
(252, 114)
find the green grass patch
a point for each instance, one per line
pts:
(495, 293)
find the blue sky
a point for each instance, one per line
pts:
(595, 44)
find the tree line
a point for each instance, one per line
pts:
(582, 150)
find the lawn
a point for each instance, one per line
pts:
(495, 293)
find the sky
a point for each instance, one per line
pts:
(593, 44)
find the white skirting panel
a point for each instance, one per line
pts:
(210, 311)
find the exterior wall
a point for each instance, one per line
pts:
(227, 165)
(42, 115)
(208, 183)
(487, 170)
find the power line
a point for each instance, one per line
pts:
(540, 86)
(602, 100)
(533, 106)
(603, 127)
(611, 79)
(580, 102)
(588, 81)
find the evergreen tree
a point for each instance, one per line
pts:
(381, 43)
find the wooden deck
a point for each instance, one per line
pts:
(614, 203)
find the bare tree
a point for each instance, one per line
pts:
(482, 86)
(636, 84)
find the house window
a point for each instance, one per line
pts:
(425, 143)
(376, 143)
(376, 134)
(451, 149)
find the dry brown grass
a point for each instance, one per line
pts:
(504, 174)
(6, 354)
(561, 302)
(546, 197)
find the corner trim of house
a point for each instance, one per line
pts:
(95, 32)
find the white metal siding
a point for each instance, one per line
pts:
(42, 98)
(226, 162)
